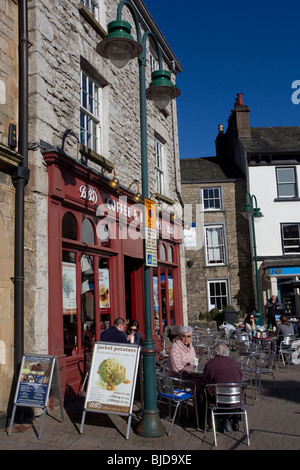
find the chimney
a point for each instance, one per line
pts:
(240, 117)
(220, 141)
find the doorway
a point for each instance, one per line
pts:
(133, 274)
(286, 295)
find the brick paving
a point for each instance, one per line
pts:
(274, 423)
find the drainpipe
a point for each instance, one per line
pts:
(20, 178)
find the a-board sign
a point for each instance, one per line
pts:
(112, 379)
(38, 377)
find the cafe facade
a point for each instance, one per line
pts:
(96, 265)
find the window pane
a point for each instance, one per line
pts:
(285, 175)
(87, 302)
(211, 198)
(69, 228)
(69, 303)
(286, 183)
(291, 238)
(87, 232)
(218, 297)
(286, 190)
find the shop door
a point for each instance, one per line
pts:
(134, 292)
(286, 295)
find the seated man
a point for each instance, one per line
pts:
(221, 369)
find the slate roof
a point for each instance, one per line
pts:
(208, 169)
(272, 140)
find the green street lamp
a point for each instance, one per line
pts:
(120, 47)
(251, 211)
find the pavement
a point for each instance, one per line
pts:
(274, 424)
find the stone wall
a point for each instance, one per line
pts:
(8, 114)
(237, 270)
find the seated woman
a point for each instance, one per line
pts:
(284, 328)
(133, 332)
(182, 352)
(250, 323)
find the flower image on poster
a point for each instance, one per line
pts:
(112, 378)
(155, 294)
(69, 288)
(104, 293)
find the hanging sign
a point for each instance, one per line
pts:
(112, 380)
(37, 378)
(150, 233)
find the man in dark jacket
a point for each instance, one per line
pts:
(115, 333)
(274, 307)
(221, 369)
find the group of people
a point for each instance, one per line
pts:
(220, 369)
(117, 333)
(274, 308)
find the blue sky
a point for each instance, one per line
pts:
(230, 47)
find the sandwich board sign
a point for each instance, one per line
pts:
(38, 380)
(112, 380)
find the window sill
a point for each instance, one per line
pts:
(286, 199)
(96, 158)
(91, 20)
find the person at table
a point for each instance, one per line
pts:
(285, 328)
(133, 331)
(220, 369)
(274, 307)
(182, 351)
(115, 333)
(250, 324)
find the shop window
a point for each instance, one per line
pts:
(104, 293)
(87, 302)
(70, 323)
(171, 295)
(87, 232)
(156, 302)
(69, 226)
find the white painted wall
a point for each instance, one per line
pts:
(262, 183)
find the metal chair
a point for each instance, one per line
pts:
(228, 400)
(285, 349)
(174, 392)
(265, 365)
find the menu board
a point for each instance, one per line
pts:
(112, 379)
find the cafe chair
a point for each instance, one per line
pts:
(265, 366)
(229, 399)
(175, 392)
(285, 349)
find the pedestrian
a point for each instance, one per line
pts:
(274, 307)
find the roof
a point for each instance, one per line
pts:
(272, 140)
(195, 170)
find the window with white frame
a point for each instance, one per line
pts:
(212, 198)
(92, 6)
(286, 182)
(217, 293)
(90, 101)
(159, 173)
(153, 63)
(215, 249)
(290, 234)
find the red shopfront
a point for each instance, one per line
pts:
(96, 259)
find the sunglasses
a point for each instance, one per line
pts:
(186, 336)
(133, 329)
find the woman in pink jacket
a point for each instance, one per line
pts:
(182, 352)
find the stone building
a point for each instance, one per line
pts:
(217, 251)
(9, 161)
(82, 219)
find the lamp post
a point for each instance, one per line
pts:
(119, 46)
(252, 211)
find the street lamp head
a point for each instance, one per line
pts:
(161, 90)
(119, 46)
(247, 210)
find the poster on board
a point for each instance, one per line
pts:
(112, 379)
